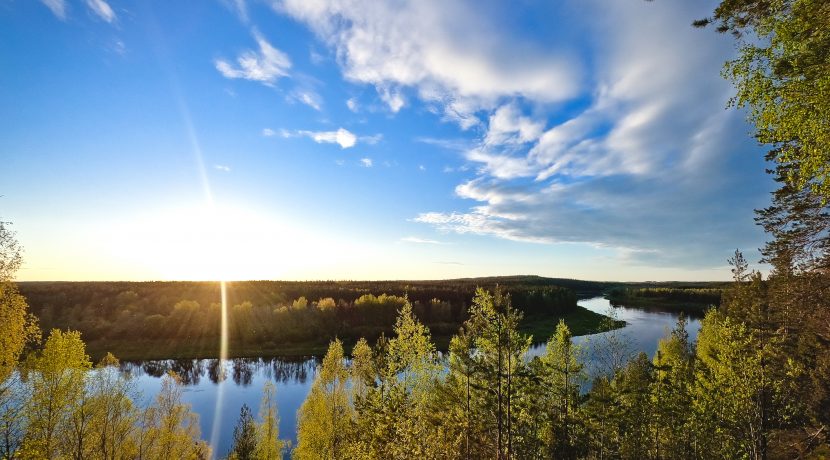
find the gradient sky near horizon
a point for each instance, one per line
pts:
(357, 139)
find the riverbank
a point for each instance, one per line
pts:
(581, 321)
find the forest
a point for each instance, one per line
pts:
(182, 319)
(691, 300)
(148, 320)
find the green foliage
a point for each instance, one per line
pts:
(269, 446)
(244, 436)
(324, 417)
(57, 382)
(782, 75)
(168, 428)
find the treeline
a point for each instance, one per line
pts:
(688, 299)
(741, 391)
(113, 316)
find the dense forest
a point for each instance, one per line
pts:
(272, 316)
(691, 300)
(149, 319)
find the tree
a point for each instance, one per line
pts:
(114, 424)
(244, 436)
(324, 417)
(782, 75)
(269, 446)
(486, 360)
(168, 428)
(17, 326)
(729, 386)
(671, 393)
(58, 380)
(562, 376)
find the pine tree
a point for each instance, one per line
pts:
(244, 436)
(562, 377)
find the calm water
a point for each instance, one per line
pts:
(240, 381)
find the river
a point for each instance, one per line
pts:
(213, 389)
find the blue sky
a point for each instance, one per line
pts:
(355, 139)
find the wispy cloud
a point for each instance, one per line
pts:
(423, 46)
(366, 162)
(351, 103)
(307, 97)
(240, 7)
(102, 9)
(222, 168)
(342, 137)
(265, 66)
(58, 7)
(417, 240)
(643, 168)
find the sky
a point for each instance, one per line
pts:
(360, 139)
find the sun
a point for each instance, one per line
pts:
(217, 243)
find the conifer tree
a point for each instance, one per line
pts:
(244, 436)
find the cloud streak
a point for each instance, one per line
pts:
(265, 66)
(342, 137)
(57, 7)
(102, 9)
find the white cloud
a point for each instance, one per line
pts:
(464, 65)
(422, 168)
(417, 240)
(640, 155)
(102, 9)
(652, 167)
(508, 126)
(222, 168)
(265, 66)
(351, 103)
(366, 162)
(268, 132)
(343, 137)
(58, 7)
(307, 97)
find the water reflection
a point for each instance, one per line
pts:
(285, 370)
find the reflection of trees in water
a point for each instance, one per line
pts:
(155, 368)
(290, 370)
(243, 370)
(191, 371)
(216, 371)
